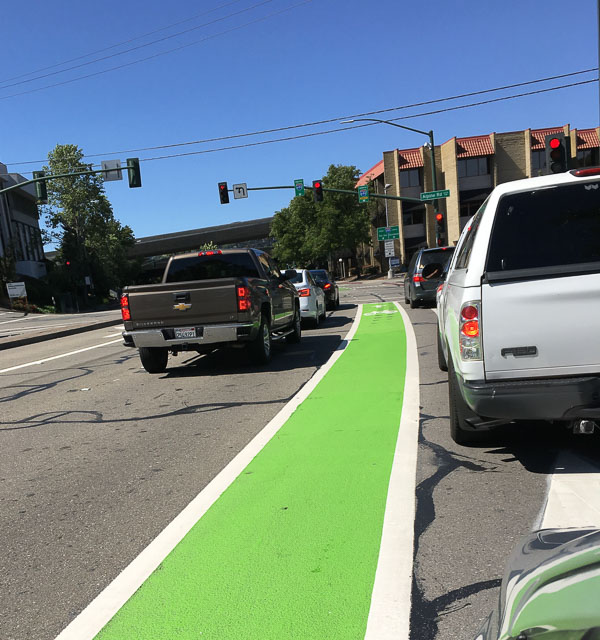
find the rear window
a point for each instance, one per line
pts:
(297, 277)
(231, 265)
(440, 256)
(549, 229)
(319, 274)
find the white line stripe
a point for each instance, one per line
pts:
(389, 616)
(62, 355)
(574, 494)
(100, 611)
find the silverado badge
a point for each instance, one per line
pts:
(182, 306)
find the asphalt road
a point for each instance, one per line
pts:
(97, 456)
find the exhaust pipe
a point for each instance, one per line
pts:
(584, 426)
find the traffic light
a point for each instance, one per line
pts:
(318, 190)
(223, 193)
(133, 172)
(439, 228)
(40, 188)
(557, 154)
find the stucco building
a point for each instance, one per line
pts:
(470, 168)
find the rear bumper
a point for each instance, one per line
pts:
(206, 334)
(540, 399)
(425, 295)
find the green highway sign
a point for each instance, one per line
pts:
(388, 233)
(299, 187)
(434, 195)
(363, 193)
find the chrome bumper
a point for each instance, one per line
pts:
(210, 335)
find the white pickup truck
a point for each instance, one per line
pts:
(519, 312)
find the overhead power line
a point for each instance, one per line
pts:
(156, 55)
(348, 117)
(140, 46)
(119, 44)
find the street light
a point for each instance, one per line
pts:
(387, 224)
(431, 151)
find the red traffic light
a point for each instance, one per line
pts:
(68, 263)
(317, 185)
(439, 217)
(223, 193)
(554, 143)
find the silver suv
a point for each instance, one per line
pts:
(518, 317)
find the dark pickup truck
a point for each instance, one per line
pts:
(210, 299)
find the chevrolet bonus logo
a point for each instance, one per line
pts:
(182, 306)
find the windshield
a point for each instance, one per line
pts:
(547, 228)
(231, 265)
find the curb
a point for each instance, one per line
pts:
(19, 342)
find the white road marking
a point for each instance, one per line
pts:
(99, 612)
(389, 615)
(62, 355)
(573, 495)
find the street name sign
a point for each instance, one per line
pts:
(112, 170)
(299, 187)
(240, 190)
(389, 249)
(388, 233)
(434, 195)
(363, 193)
(16, 289)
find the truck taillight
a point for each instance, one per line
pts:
(243, 298)
(218, 252)
(470, 330)
(303, 293)
(125, 313)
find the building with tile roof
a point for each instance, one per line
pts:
(469, 168)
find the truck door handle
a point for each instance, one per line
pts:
(182, 297)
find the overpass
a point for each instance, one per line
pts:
(248, 233)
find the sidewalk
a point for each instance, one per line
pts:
(17, 330)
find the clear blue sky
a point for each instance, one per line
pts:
(305, 61)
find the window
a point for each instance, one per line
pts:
(468, 167)
(538, 162)
(230, 265)
(414, 216)
(553, 229)
(410, 177)
(588, 157)
(462, 259)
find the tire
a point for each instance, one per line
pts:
(316, 319)
(154, 359)
(294, 338)
(440, 353)
(412, 303)
(324, 310)
(337, 301)
(460, 431)
(260, 348)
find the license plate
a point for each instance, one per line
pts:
(186, 332)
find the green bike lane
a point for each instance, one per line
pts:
(291, 547)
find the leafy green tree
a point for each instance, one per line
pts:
(208, 246)
(306, 232)
(80, 219)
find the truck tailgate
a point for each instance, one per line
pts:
(540, 328)
(184, 304)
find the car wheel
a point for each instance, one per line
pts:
(412, 303)
(460, 431)
(260, 348)
(296, 334)
(154, 359)
(323, 311)
(440, 353)
(316, 319)
(337, 301)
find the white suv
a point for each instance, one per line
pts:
(519, 314)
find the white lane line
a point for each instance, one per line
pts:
(100, 611)
(573, 495)
(389, 615)
(62, 355)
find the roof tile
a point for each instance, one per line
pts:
(538, 137)
(410, 159)
(371, 174)
(474, 146)
(587, 139)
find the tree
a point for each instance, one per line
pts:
(80, 219)
(306, 232)
(7, 268)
